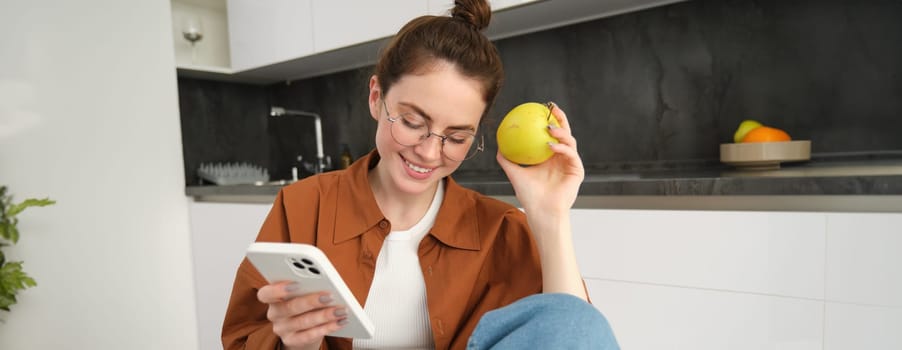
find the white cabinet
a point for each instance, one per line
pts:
(267, 32)
(654, 317)
(342, 23)
(864, 264)
(676, 279)
(278, 40)
(863, 281)
(441, 7)
(774, 253)
(220, 232)
(859, 326)
(744, 279)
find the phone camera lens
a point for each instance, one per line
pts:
(314, 271)
(299, 265)
(307, 261)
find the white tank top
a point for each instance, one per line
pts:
(397, 299)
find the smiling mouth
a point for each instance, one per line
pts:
(417, 168)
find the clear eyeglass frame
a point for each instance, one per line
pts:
(476, 146)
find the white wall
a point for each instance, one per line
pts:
(89, 117)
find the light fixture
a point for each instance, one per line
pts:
(193, 31)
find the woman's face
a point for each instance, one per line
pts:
(447, 100)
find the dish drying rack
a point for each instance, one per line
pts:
(233, 173)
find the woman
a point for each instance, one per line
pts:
(427, 258)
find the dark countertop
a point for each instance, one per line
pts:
(821, 176)
(872, 177)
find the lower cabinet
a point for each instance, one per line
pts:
(744, 280)
(220, 233)
(671, 279)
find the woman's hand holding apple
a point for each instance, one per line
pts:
(550, 186)
(547, 191)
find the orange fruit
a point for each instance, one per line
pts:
(766, 134)
(744, 128)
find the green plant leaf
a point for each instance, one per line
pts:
(4, 229)
(12, 278)
(30, 202)
(6, 301)
(12, 233)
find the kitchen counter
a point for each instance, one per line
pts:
(709, 185)
(872, 177)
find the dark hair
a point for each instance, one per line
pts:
(457, 39)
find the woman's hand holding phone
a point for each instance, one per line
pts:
(301, 321)
(306, 297)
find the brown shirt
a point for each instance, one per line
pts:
(478, 256)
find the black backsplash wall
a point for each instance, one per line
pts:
(667, 84)
(222, 122)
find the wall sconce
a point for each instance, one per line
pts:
(193, 31)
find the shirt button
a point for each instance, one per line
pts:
(383, 224)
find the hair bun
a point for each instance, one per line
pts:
(477, 13)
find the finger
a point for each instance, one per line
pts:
(277, 292)
(312, 335)
(309, 320)
(298, 305)
(560, 115)
(563, 136)
(571, 155)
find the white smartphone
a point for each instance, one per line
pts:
(311, 269)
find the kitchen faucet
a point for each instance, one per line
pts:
(321, 161)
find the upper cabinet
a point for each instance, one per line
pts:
(266, 32)
(342, 23)
(442, 7)
(282, 40)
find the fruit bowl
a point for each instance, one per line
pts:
(764, 155)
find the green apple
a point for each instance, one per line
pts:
(523, 134)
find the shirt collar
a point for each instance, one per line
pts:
(357, 212)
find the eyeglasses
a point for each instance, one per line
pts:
(411, 129)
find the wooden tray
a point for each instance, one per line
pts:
(764, 155)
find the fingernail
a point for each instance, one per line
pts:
(340, 312)
(325, 299)
(550, 144)
(343, 322)
(552, 126)
(291, 287)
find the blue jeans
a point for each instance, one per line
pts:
(544, 321)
